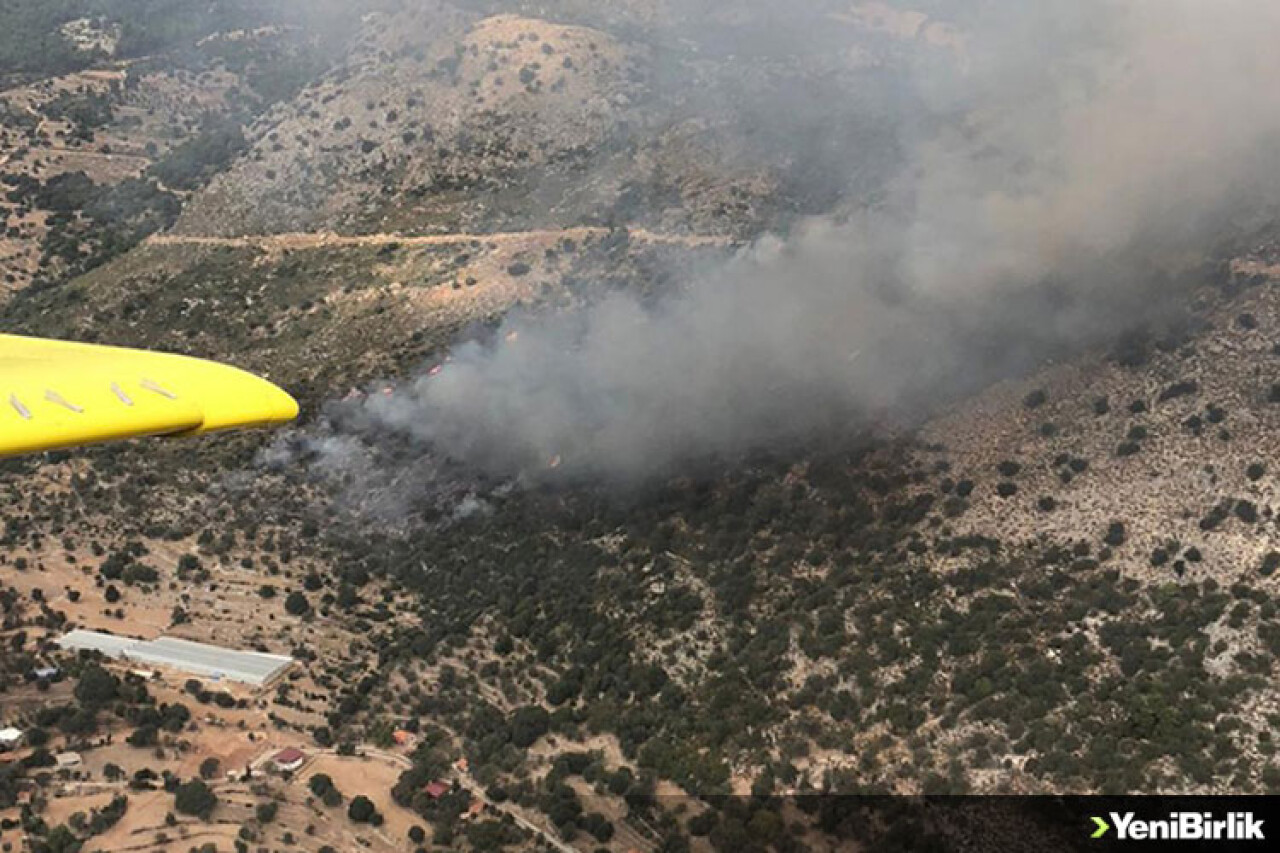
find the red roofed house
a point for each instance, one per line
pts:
(436, 790)
(289, 759)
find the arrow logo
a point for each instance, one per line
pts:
(1102, 825)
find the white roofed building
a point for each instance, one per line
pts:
(213, 662)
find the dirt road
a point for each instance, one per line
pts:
(326, 239)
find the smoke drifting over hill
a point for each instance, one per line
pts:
(1074, 156)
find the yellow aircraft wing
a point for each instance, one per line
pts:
(55, 394)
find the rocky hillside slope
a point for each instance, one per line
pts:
(1065, 582)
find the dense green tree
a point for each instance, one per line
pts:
(296, 604)
(362, 809)
(96, 687)
(195, 798)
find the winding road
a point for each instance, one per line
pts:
(326, 239)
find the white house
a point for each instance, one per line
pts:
(68, 759)
(11, 738)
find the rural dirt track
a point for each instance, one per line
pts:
(324, 239)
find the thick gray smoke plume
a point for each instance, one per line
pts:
(1076, 154)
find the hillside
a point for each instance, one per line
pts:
(1063, 581)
